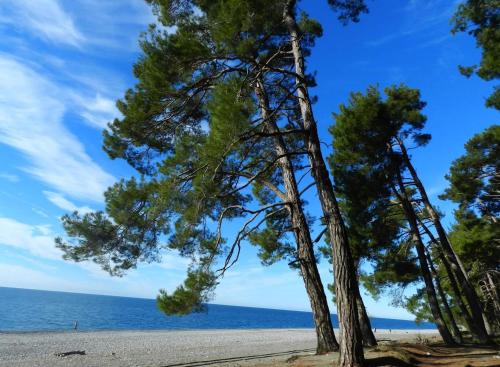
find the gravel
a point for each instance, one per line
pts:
(191, 348)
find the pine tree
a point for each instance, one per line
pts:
(369, 229)
(215, 71)
(475, 186)
(475, 177)
(481, 19)
(370, 136)
(346, 287)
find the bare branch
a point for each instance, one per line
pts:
(242, 233)
(267, 183)
(307, 188)
(318, 238)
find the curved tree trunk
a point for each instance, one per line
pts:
(369, 339)
(453, 282)
(424, 266)
(431, 292)
(454, 328)
(469, 292)
(326, 341)
(351, 342)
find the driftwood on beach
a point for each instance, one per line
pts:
(71, 353)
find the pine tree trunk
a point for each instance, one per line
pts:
(326, 341)
(424, 266)
(351, 343)
(369, 339)
(470, 294)
(431, 292)
(487, 325)
(453, 283)
(494, 296)
(454, 328)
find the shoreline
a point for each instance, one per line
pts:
(230, 347)
(71, 331)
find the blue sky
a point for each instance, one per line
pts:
(63, 64)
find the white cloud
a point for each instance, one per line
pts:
(40, 212)
(31, 113)
(97, 111)
(60, 201)
(173, 261)
(9, 177)
(44, 229)
(96, 271)
(37, 240)
(45, 19)
(114, 24)
(260, 287)
(23, 277)
(20, 276)
(33, 262)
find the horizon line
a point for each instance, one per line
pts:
(215, 304)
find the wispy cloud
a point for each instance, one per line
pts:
(114, 25)
(40, 212)
(97, 111)
(249, 285)
(36, 243)
(9, 177)
(45, 19)
(36, 239)
(427, 19)
(61, 202)
(36, 277)
(33, 262)
(12, 275)
(173, 261)
(27, 203)
(31, 113)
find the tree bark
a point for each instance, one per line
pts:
(469, 292)
(326, 341)
(454, 328)
(351, 342)
(453, 282)
(494, 294)
(369, 339)
(424, 266)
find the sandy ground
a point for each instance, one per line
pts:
(167, 348)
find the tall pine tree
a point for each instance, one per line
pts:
(370, 137)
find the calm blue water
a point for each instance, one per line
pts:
(32, 310)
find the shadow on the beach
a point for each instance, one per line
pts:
(437, 355)
(238, 359)
(407, 355)
(387, 361)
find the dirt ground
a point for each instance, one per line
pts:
(427, 352)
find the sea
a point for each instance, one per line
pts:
(23, 310)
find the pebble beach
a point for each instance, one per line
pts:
(165, 348)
